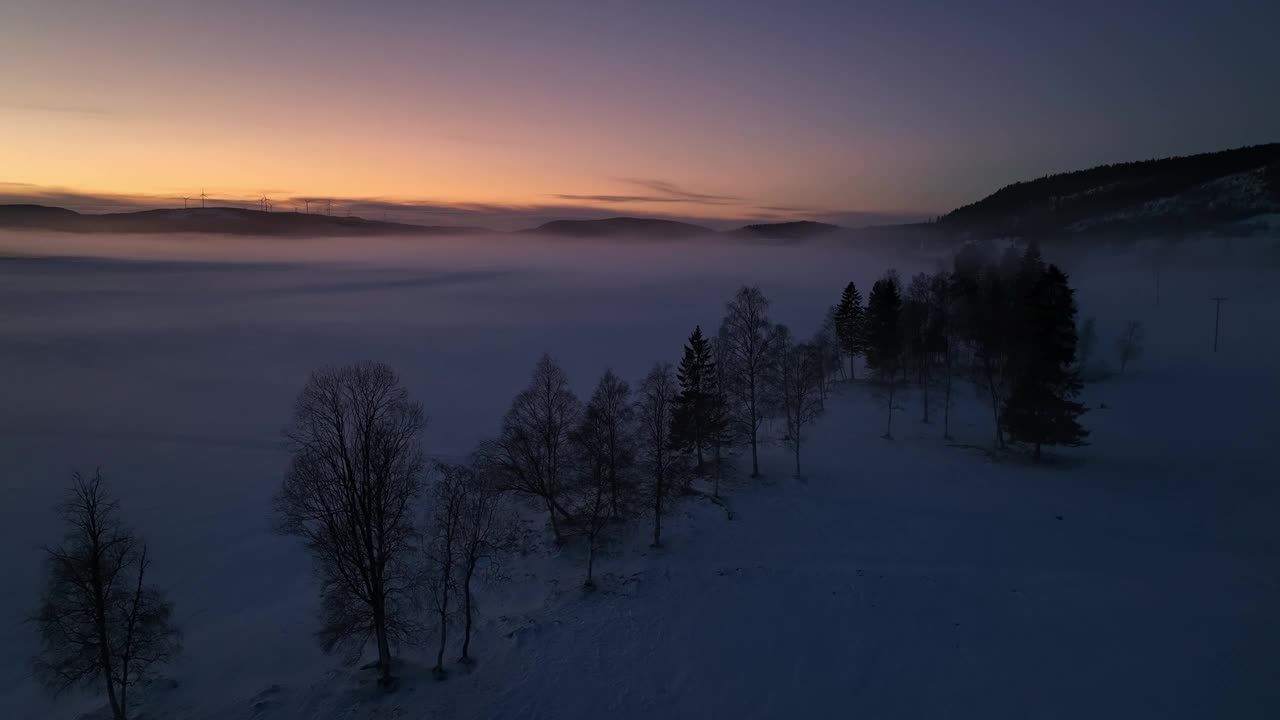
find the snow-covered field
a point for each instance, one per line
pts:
(1136, 577)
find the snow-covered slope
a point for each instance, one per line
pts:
(1136, 577)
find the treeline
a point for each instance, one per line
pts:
(400, 544)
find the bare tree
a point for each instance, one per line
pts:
(534, 451)
(799, 376)
(606, 439)
(486, 524)
(1129, 344)
(720, 428)
(443, 545)
(942, 297)
(654, 405)
(100, 623)
(354, 475)
(748, 343)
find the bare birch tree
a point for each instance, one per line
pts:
(355, 473)
(606, 440)
(748, 343)
(534, 449)
(655, 402)
(101, 625)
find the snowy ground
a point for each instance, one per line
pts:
(1137, 577)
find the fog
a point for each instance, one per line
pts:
(172, 362)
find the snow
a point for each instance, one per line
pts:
(1134, 577)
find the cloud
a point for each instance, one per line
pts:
(674, 193)
(616, 198)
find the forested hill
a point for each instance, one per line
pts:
(1178, 194)
(218, 220)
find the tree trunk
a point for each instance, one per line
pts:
(797, 460)
(925, 388)
(591, 557)
(851, 377)
(755, 460)
(100, 622)
(384, 648)
(657, 513)
(467, 603)
(946, 410)
(719, 465)
(555, 525)
(888, 430)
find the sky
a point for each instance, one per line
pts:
(843, 111)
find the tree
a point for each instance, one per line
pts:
(485, 524)
(826, 345)
(534, 450)
(100, 623)
(606, 439)
(922, 338)
(690, 424)
(443, 546)
(655, 403)
(884, 337)
(719, 426)
(354, 474)
(1041, 409)
(1129, 344)
(749, 344)
(799, 375)
(990, 332)
(943, 301)
(850, 321)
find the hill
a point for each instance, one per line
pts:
(218, 220)
(797, 230)
(621, 227)
(1177, 194)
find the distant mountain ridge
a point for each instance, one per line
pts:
(621, 226)
(215, 220)
(1176, 194)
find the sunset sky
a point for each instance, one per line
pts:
(716, 110)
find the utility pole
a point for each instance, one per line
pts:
(1217, 315)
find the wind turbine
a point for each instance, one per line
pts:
(328, 207)
(262, 204)
(308, 204)
(184, 202)
(202, 197)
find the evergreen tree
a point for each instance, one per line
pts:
(1041, 409)
(690, 425)
(884, 336)
(850, 324)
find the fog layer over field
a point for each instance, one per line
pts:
(173, 363)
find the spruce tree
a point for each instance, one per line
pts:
(691, 417)
(1041, 409)
(884, 336)
(850, 324)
